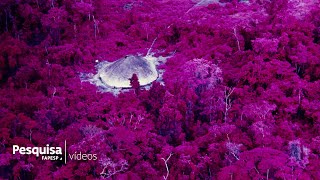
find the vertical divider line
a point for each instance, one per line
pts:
(65, 151)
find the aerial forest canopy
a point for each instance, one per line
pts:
(210, 89)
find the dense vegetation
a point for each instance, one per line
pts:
(240, 99)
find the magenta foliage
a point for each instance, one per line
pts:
(239, 96)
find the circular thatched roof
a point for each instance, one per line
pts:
(117, 74)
